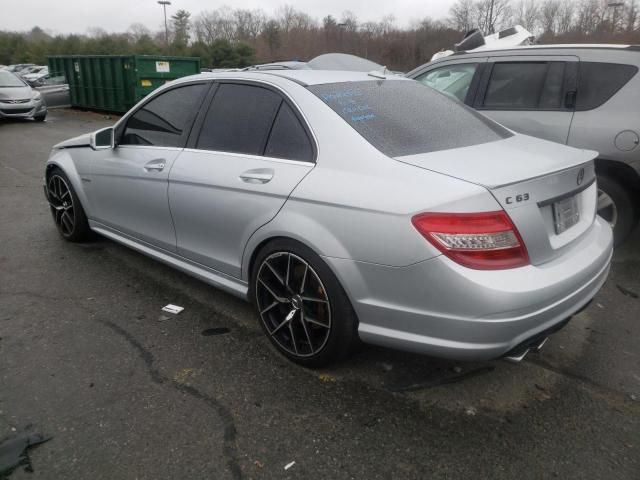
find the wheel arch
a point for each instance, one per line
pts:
(622, 172)
(64, 162)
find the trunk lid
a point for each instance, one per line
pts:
(547, 189)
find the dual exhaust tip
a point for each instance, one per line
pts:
(518, 354)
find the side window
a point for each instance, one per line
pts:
(525, 85)
(239, 119)
(452, 80)
(288, 138)
(600, 81)
(163, 122)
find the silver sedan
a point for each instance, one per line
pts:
(19, 100)
(346, 206)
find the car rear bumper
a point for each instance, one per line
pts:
(22, 110)
(440, 308)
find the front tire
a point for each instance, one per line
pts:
(301, 306)
(40, 118)
(66, 209)
(616, 205)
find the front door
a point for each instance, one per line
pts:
(127, 186)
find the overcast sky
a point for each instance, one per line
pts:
(76, 16)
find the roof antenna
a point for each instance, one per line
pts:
(379, 74)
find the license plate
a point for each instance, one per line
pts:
(565, 214)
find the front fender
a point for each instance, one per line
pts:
(63, 160)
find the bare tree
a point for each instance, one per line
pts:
(549, 16)
(137, 31)
(631, 15)
(217, 24)
(492, 15)
(461, 15)
(566, 17)
(249, 23)
(527, 14)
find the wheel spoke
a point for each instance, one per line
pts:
(276, 297)
(304, 278)
(293, 338)
(315, 322)
(269, 307)
(280, 325)
(312, 299)
(306, 332)
(67, 222)
(288, 270)
(276, 274)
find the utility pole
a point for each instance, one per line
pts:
(614, 14)
(488, 19)
(164, 4)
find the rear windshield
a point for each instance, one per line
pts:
(406, 118)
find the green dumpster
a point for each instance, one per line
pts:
(115, 83)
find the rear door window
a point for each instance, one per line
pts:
(598, 82)
(239, 119)
(525, 86)
(165, 120)
(288, 138)
(452, 80)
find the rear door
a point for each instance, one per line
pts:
(251, 150)
(531, 95)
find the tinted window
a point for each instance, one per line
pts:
(239, 119)
(525, 85)
(164, 121)
(453, 80)
(600, 81)
(288, 138)
(401, 117)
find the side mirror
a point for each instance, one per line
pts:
(102, 139)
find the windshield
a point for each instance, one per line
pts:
(8, 79)
(402, 118)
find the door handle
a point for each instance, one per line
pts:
(156, 165)
(259, 175)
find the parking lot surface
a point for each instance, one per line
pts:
(127, 391)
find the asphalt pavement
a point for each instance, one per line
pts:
(129, 392)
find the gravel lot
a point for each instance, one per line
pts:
(87, 356)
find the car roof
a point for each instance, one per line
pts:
(301, 77)
(520, 48)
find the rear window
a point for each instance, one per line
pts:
(600, 81)
(404, 118)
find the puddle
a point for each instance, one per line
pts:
(210, 332)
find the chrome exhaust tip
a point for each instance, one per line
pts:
(518, 355)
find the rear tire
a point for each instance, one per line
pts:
(616, 205)
(301, 306)
(66, 209)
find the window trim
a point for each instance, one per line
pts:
(569, 83)
(121, 126)
(196, 130)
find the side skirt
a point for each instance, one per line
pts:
(217, 279)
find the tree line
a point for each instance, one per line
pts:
(227, 37)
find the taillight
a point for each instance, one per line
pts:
(484, 241)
